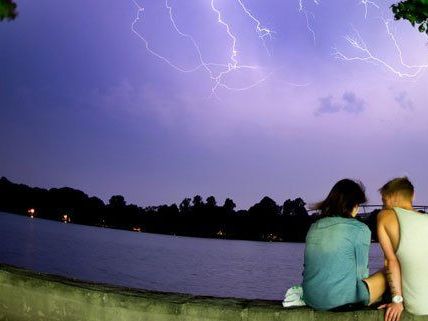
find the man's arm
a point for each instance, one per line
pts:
(388, 234)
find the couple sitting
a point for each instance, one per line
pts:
(336, 274)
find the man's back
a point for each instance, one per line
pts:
(412, 254)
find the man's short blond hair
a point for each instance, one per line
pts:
(400, 185)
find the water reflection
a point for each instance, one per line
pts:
(215, 267)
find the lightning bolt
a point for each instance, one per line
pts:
(154, 53)
(234, 51)
(356, 42)
(233, 65)
(366, 4)
(366, 55)
(305, 12)
(301, 4)
(218, 72)
(308, 25)
(400, 52)
(263, 32)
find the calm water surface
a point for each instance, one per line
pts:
(225, 268)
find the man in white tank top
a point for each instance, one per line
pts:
(403, 236)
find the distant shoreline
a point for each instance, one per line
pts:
(165, 234)
(154, 233)
(265, 221)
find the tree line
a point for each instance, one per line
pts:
(264, 221)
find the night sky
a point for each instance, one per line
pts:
(84, 104)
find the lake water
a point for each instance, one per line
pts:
(225, 268)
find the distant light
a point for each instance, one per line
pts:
(137, 229)
(31, 212)
(66, 218)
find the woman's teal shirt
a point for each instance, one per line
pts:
(336, 261)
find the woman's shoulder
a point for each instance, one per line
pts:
(358, 224)
(341, 223)
(356, 227)
(339, 220)
(361, 229)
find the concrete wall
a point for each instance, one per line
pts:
(28, 295)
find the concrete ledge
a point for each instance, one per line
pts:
(32, 296)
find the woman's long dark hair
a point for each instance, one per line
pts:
(343, 197)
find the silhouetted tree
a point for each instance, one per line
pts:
(262, 218)
(229, 205)
(117, 213)
(415, 11)
(266, 207)
(8, 10)
(198, 201)
(288, 207)
(94, 213)
(117, 201)
(211, 202)
(167, 219)
(294, 208)
(185, 206)
(263, 221)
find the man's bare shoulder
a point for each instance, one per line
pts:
(386, 216)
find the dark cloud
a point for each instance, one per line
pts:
(327, 106)
(404, 101)
(349, 103)
(352, 104)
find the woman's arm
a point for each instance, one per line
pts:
(387, 230)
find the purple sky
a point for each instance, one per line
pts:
(84, 104)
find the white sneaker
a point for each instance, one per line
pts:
(294, 297)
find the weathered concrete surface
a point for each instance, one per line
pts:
(32, 296)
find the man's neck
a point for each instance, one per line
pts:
(406, 206)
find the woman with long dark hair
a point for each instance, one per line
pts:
(337, 247)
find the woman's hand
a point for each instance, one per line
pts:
(393, 311)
